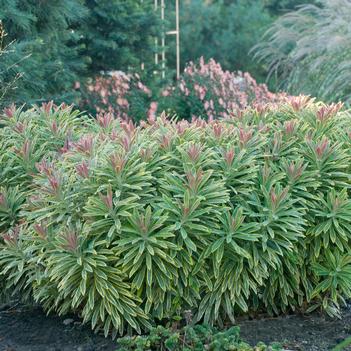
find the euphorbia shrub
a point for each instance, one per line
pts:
(132, 224)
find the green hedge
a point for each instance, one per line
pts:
(128, 225)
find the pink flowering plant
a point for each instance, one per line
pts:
(206, 91)
(120, 94)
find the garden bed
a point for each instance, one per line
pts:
(29, 329)
(299, 332)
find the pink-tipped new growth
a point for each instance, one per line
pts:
(118, 162)
(229, 156)
(108, 199)
(327, 112)
(321, 148)
(41, 229)
(3, 201)
(244, 136)
(83, 169)
(85, 145)
(194, 152)
(71, 241)
(194, 180)
(11, 237)
(105, 120)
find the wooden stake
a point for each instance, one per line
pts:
(163, 41)
(156, 39)
(178, 39)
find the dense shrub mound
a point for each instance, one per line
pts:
(129, 224)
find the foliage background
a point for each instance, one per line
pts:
(44, 34)
(70, 41)
(309, 51)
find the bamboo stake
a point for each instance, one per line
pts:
(175, 32)
(178, 39)
(163, 41)
(156, 39)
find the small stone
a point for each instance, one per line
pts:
(68, 321)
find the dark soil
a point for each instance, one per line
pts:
(297, 332)
(29, 329)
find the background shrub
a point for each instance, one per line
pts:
(308, 51)
(63, 44)
(119, 35)
(127, 225)
(123, 95)
(205, 90)
(224, 31)
(70, 41)
(7, 80)
(45, 34)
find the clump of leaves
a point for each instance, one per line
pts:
(200, 337)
